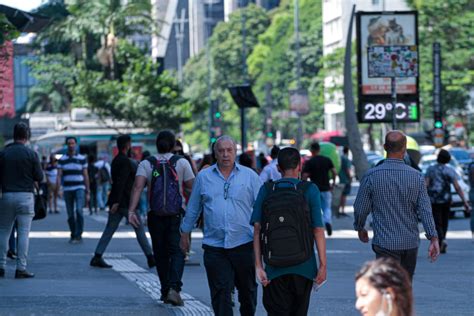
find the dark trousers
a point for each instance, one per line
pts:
(287, 295)
(165, 236)
(441, 219)
(226, 268)
(406, 258)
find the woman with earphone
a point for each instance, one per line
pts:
(383, 288)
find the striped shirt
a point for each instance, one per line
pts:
(73, 168)
(396, 195)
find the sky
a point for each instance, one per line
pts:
(25, 5)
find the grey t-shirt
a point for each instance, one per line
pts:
(440, 178)
(183, 168)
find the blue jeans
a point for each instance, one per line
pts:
(112, 225)
(326, 199)
(75, 217)
(471, 197)
(17, 206)
(102, 191)
(143, 203)
(165, 236)
(12, 240)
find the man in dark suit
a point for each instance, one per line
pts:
(123, 175)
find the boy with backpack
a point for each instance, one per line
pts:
(287, 221)
(166, 176)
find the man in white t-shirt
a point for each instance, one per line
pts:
(164, 230)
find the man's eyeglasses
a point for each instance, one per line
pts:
(226, 190)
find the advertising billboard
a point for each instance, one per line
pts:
(379, 36)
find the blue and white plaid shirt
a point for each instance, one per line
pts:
(396, 195)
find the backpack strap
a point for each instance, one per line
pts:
(152, 160)
(174, 159)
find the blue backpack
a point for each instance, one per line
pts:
(165, 198)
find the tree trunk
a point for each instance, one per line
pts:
(355, 143)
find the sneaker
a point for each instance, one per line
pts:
(2, 273)
(443, 247)
(174, 298)
(11, 254)
(99, 262)
(79, 240)
(329, 229)
(150, 261)
(72, 241)
(164, 299)
(23, 274)
(56, 212)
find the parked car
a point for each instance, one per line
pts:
(462, 156)
(456, 203)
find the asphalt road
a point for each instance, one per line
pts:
(65, 284)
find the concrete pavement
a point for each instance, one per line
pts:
(65, 284)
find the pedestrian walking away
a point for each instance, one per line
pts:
(103, 182)
(287, 221)
(396, 196)
(166, 176)
(317, 169)
(72, 171)
(471, 194)
(345, 179)
(225, 192)
(439, 178)
(20, 169)
(383, 287)
(123, 173)
(270, 171)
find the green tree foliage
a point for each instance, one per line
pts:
(274, 60)
(140, 97)
(451, 24)
(226, 68)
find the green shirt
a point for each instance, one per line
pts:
(343, 175)
(307, 269)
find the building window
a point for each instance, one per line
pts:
(375, 2)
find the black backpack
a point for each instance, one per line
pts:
(286, 234)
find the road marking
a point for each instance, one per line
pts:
(150, 284)
(337, 234)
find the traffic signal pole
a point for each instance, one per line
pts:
(394, 103)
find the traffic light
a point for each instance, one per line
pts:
(217, 115)
(270, 134)
(213, 139)
(438, 124)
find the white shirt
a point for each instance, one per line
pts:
(270, 172)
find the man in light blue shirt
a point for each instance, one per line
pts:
(225, 192)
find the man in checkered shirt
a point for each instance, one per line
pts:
(396, 195)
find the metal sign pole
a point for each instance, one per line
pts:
(394, 103)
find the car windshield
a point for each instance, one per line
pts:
(460, 154)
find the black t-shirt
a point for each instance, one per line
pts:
(318, 168)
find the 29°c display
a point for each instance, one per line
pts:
(383, 112)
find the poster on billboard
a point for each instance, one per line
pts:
(7, 90)
(376, 32)
(392, 61)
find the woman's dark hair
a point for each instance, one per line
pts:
(387, 273)
(443, 156)
(263, 160)
(122, 141)
(288, 158)
(165, 142)
(274, 152)
(178, 144)
(206, 161)
(21, 131)
(245, 160)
